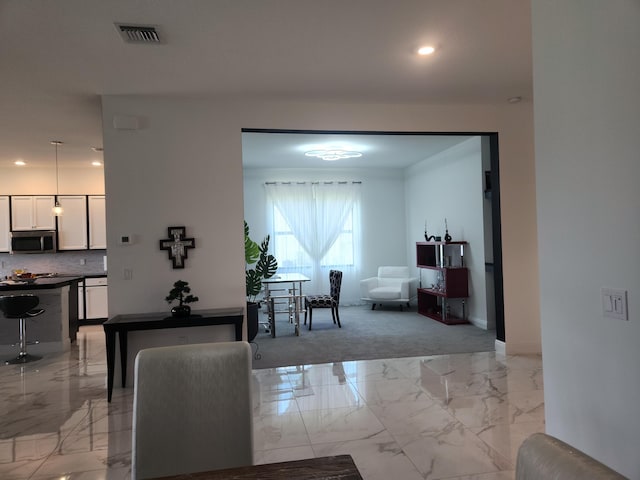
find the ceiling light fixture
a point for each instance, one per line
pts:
(57, 209)
(426, 50)
(514, 99)
(97, 149)
(96, 163)
(333, 155)
(20, 163)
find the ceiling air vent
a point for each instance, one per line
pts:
(138, 33)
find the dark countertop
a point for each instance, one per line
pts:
(45, 283)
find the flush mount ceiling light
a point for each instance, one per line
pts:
(426, 50)
(333, 155)
(96, 163)
(57, 209)
(20, 163)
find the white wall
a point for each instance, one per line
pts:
(28, 180)
(587, 118)
(449, 185)
(184, 167)
(382, 212)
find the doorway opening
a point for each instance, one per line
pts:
(386, 163)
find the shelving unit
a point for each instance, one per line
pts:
(446, 259)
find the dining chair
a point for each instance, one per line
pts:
(192, 409)
(332, 300)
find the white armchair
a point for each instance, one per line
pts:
(392, 285)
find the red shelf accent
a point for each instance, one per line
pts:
(429, 256)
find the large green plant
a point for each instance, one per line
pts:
(265, 264)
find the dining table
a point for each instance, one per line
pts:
(285, 288)
(337, 467)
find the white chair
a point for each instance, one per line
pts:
(392, 285)
(192, 409)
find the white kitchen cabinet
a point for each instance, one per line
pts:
(32, 212)
(97, 222)
(72, 225)
(81, 300)
(5, 226)
(96, 298)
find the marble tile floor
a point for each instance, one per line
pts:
(459, 416)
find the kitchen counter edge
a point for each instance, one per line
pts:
(43, 284)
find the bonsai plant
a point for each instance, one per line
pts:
(265, 267)
(181, 292)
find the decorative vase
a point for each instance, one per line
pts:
(447, 237)
(252, 320)
(181, 311)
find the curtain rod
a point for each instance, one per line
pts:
(312, 183)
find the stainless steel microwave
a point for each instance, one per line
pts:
(33, 241)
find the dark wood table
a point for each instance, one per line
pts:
(123, 324)
(340, 467)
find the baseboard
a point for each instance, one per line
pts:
(523, 348)
(517, 348)
(478, 322)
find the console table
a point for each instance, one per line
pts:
(123, 324)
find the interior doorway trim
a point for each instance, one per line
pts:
(495, 198)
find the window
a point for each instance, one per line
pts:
(316, 228)
(291, 254)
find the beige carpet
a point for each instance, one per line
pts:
(366, 335)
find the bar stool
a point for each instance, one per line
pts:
(21, 307)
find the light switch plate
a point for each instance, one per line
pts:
(614, 303)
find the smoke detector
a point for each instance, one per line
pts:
(138, 33)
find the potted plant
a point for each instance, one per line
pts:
(181, 292)
(265, 267)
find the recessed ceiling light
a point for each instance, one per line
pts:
(97, 149)
(426, 50)
(96, 163)
(333, 155)
(514, 99)
(20, 163)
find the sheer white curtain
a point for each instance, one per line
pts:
(316, 228)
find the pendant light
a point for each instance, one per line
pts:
(57, 209)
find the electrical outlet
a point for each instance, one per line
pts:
(126, 239)
(614, 304)
(83, 261)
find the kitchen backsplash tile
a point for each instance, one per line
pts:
(61, 262)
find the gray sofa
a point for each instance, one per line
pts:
(543, 457)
